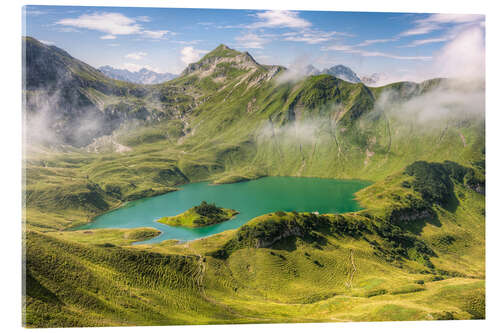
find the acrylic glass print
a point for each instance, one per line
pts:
(197, 166)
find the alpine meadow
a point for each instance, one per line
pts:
(251, 186)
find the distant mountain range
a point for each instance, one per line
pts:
(143, 76)
(342, 72)
(146, 76)
(345, 73)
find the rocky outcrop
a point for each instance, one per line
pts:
(222, 54)
(289, 230)
(405, 215)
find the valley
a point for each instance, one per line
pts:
(251, 199)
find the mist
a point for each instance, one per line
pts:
(451, 99)
(302, 131)
(419, 107)
(462, 58)
(298, 69)
(51, 119)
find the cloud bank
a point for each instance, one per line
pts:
(136, 55)
(189, 54)
(463, 57)
(279, 19)
(112, 24)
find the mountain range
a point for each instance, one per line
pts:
(339, 71)
(142, 76)
(347, 74)
(146, 76)
(86, 104)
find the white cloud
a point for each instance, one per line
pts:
(311, 36)
(299, 68)
(67, 29)
(136, 67)
(156, 34)
(464, 56)
(421, 29)
(46, 42)
(280, 19)
(189, 54)
(255, 40)
(108, 37)
(143, 18)
(251, 41)
(338, 47)
(376, 41)
(393, 56)
(457, 99)
(187, 42)
(454, 18)
(426, 41)
(34, 12)
(111, 24)
(437, 21)
(354, 50)
(136, 55)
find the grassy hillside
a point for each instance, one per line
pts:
(415, 253)
(408, 256)
(200, 216)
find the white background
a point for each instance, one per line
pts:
(10, 158)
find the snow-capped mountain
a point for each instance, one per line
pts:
(342, 72)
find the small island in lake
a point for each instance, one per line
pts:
(200, 216)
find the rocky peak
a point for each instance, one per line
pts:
(222, 54)
(342, 72)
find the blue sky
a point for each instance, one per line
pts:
(167, 39)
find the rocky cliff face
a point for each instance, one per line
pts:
(224, 63)
(69, 102)
(64, 98)
(289, 230)
(342, 72)
(404, 216)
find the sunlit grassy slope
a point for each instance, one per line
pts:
(416, 252)
(200, 216)
(402, 258)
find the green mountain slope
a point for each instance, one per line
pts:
(72, 99)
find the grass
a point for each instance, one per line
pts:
(193, 219)
(107, 237)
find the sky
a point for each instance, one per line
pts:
(398, 45)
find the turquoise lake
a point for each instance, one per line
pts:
(251, 199)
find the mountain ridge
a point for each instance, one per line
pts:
(80, 94)
(342, 72)
(141, 76)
